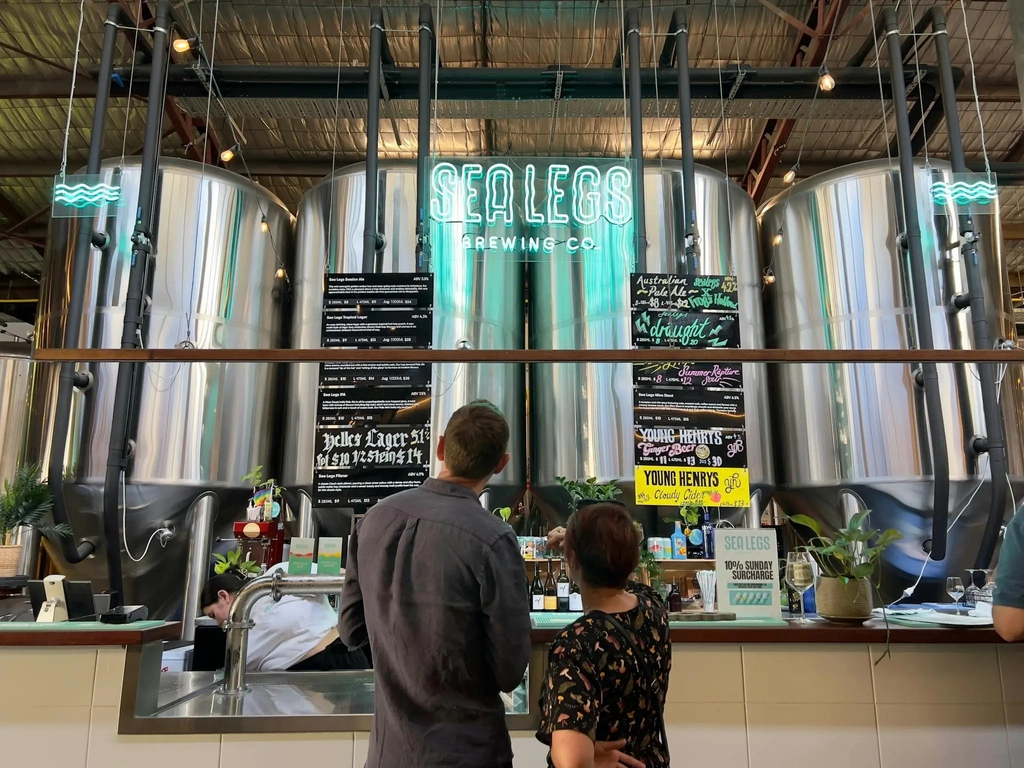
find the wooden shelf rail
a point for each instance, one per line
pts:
(902, 356)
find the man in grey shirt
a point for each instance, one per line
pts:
(437, 585)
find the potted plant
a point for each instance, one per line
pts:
(26, 500)
(265, 503)
(588, 490)
(848, 565)
(234, 559)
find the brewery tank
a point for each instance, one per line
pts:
(582, 413)
(478, 304)
(201, 426)
(854, 436)
(15, 375)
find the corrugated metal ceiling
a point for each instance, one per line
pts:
(494, 33)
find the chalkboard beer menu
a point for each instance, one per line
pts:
(373, 419)
(688, 418)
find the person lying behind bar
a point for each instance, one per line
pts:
(437, 585)
(1008, 600)
(608, 671)
(297, 633)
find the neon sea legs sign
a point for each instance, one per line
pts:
(531, 195)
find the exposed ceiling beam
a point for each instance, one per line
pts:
(14, 88)
(17, 288)
(1013, 230)
(809, 51)
(10, 211)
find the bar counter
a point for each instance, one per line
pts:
(740, 697)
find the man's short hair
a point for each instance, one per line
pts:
(475, 440)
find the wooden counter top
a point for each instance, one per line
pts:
(86, 633)
(873, 632)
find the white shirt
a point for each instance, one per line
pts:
(285, 631)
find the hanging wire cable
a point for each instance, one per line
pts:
(657, 94)
(974, 86)
(622, 70)
(202, 171)
(334, 139)
(437, 77)
(593, 34)
(917, 68)
(881, 88)
(71, 98)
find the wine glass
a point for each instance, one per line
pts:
(800, 577)
(955, 589)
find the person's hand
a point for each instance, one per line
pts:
(555, 538)
(607, 754)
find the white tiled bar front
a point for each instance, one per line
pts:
(729, 706)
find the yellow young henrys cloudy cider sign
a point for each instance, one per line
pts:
(676, 486)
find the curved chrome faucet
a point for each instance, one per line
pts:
(240, 618)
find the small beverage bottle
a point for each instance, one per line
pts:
(562, 588)
(675, 600)
(575, 598)
(678, 544)
(550, 592)
(536, 590)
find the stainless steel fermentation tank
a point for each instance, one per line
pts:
(15, 377)
(15, 374)
(478, 304)
(842, 282)
(201, 426)
(582, 413)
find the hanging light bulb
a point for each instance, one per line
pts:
(264, 226)
(825, 80)
(790, 176)
(777, 240)
(228, 154)
(182, 45)
(281, 274)
(769, 276)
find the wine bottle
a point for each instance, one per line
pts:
(563, 588)
(536, 590)
(575, 598)
(550, 592)
(675, 600)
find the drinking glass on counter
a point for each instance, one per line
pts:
(800, 577)
(955, 589)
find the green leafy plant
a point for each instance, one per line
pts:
(688, 515)
(649, 564)
(504, 513)
(27, 500)
(854, 552)
(233, 559)
(255, 479)
(589, 490)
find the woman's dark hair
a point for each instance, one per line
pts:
(605, 544)
(230, 581)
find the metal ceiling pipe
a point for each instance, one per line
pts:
(427, 55)
(636, 131)
(138, 276)
(994, 442)
(919, 284)
(691, 251)
(371, 237)
(70, 377)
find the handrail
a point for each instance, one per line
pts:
(661, 354)
(240, 618)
